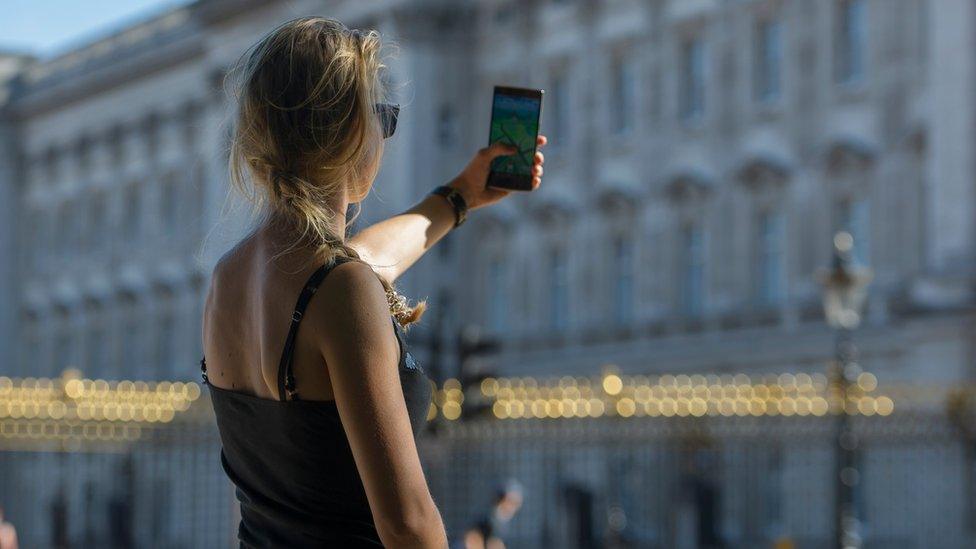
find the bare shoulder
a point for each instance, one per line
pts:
(352, 303)
(217, 279)
(231, 262)
(231, 271)
(354, 285)
(228, 287)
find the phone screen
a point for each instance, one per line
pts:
(515, 120)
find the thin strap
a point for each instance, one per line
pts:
(398, 330)
(286, 379)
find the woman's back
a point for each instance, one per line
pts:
(288, 452)
(248, 314)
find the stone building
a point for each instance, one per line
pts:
(702, 153)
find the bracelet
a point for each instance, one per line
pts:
(456, 201)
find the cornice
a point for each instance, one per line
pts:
(760, 169)
(554, 208)
(99, 75)
(688, 183)
(615, 196)
(846, 151)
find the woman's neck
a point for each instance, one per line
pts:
(283, 237)
(287, 229)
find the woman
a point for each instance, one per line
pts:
(318, 402)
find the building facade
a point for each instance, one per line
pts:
(702, 154)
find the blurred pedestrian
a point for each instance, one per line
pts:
(490, 530)
(8, 534)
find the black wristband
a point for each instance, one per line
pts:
(456, 201)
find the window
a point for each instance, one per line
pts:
(82, 221)
(623, 99)
(130, 357)
(70, 231)
(623, 262)
(61, 228)
(558, 289)
(504, 14)
(168, 203)
(197, 189)
(559, 107)
(95, 344)
(30, 353)
(654, 95)
(693, 275)
(63, 358)
(116, 149)
(37, 233)
(770, 258)
(851, 42)
(446, 122)
(854, 217)
(53, 165)
(922, 31)
(692, 92)
(769, 54)
(56, 244)
(84, 156)
(131, 214)
(164, 342)
(98, 223)
(497, 291)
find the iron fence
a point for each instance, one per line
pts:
(682, 481)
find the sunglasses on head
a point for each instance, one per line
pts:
(388, 114)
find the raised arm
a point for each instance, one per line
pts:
(356, 337)
(394, 244)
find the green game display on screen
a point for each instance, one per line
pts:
(515, 116)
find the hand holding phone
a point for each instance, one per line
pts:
(515, 115)
(474, 180)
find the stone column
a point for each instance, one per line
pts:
(185, 354)
(952, 206)
(134, 173)
(173, 168)
(224, 214)
(10, 231)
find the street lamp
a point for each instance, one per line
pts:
(845, 287)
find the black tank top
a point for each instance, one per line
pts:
(290, 460)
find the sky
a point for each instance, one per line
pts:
(47, 27)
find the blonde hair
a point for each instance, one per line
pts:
(306, 130)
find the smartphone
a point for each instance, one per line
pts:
(515, 114)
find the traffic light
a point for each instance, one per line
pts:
(472, 345)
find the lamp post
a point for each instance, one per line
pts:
(844, 293)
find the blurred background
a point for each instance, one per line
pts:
(739, 312)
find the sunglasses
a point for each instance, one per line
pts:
(388, 114)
